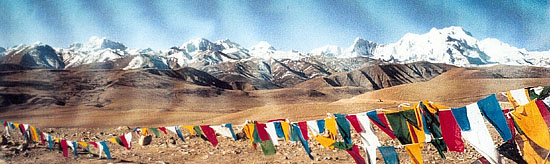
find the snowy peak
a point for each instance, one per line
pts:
(450, 31)
(199, 44)
(328, 50)
(37, 55)
(97, 43)
(360, 47)
(262, 46)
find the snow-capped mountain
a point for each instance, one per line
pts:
(94, 51)
(451, 45)
(203, 51)
(264, 50)
(37, 55)
(329, 50)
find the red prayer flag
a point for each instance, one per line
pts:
(93, 143)
(355, 123)
(210, 134)
(64, 148)
(451, 131)
(264, 136)
(42, 138)
(303, 128)
(385, 128)
(124, 142)
(544, 112)
(356, 155)
(163, 129)
(510, 122)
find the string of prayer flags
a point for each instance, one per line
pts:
(451, 131)
(389, 154)
(491, 110)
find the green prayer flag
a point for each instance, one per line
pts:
(410, 116)
(267, 147)
(198, 130)
(155, 131)
(400, 129)
(342, 145)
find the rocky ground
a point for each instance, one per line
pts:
(170, 149)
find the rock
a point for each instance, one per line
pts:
(3, 140)
(145, 140)
(172, 141)
(22, 147)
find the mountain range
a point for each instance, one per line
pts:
(100, 72)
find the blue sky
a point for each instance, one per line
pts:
(292, 24)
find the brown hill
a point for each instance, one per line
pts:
(380, 76)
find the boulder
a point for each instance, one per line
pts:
(145, 140)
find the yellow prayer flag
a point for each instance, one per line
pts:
(531, 122)
(84, 144)
(330, 124)
(414, 152)
(326, 142)
(113, 140)
(286, 129)
(34, 134)
(190, 129)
